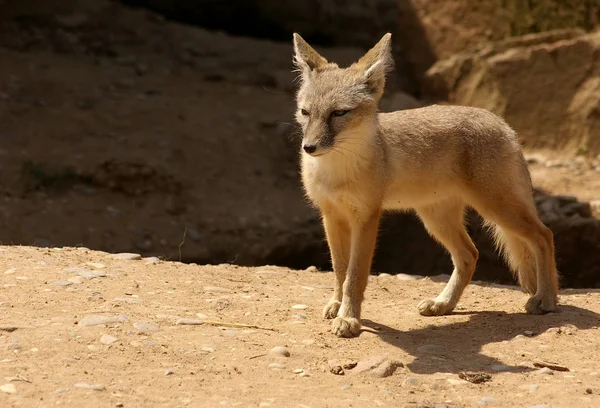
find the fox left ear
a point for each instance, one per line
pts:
(306, 58)
(376, 63)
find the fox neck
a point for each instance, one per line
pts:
(354, 153)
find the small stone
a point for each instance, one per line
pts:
(169, 372)
(62, 283)
(298, 371)
(276, 366)
(8, 388)
(96, 265)
(378, 366)
(410, 381)
(299, 307)
(152, 260)
(125, 256)
(87, 274)
(146, 327)
(528, 333)
(544, 371)
(346, 387)
(487, 401)
(94, 320)
(304, 374)
(384, 275)
(95, 387)
(312, 269)
(406, 277)
(280, 350)
(189, 322)
(589, 391)
(108, 339)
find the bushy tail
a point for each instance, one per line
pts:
(518, 255)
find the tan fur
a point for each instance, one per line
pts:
(436, 160)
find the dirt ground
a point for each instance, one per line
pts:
(167, 342)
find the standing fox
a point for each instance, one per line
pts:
(357, 162)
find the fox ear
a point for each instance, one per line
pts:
(376, 63)
(306, 58)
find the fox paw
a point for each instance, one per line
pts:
(331, 309)
(432, 307)
(346, 326)
(541, 304)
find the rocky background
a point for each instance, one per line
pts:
(166, 127)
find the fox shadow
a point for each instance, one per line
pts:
(457, 347)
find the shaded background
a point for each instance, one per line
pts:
(166, 127)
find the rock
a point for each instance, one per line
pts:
(145, 327)
(63, 283)
(152, 260)
(108, 339)
(86, 274)
(96, 265)
(378, 366)
(94, 320)
(312, 269)
(125, 256)
(403, 276)
(94, 387)
(528, 333)
(280, 351)
(558, 123)
(169, 372)
(299, 307)
(189, 322)
(8, 388)
(276, 366)
(543, 371)
(487, 401)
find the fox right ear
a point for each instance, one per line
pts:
(306, 58)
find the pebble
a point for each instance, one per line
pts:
(410, 381)
(528, 333)
(108, 339)
(95, 387)
(152, 260)
(384, 275)
(299, 307)
(189, 322)
(346, 387)
(304, 374)
(406, 277)
(280, 350)
(76, 280)
(125, 256)
(544, 371)
(8, 388)
(87, 274)
(312, 268)
(169, 372)
(378, 366)
(298, 371)
(94, 320)
(146, 327)
(531, 388)
(276, 366)
(487, 401)
(63, 283)
(299, 316)
(96, 265)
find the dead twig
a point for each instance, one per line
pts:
(247, 326)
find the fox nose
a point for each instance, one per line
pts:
(308, 148)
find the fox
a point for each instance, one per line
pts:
(357, 163)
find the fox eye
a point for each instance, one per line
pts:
(304, 112)
(339, 112)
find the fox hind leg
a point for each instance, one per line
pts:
(445, 222)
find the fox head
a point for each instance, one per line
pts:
(335, 104)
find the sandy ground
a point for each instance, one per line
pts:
(81, 328)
